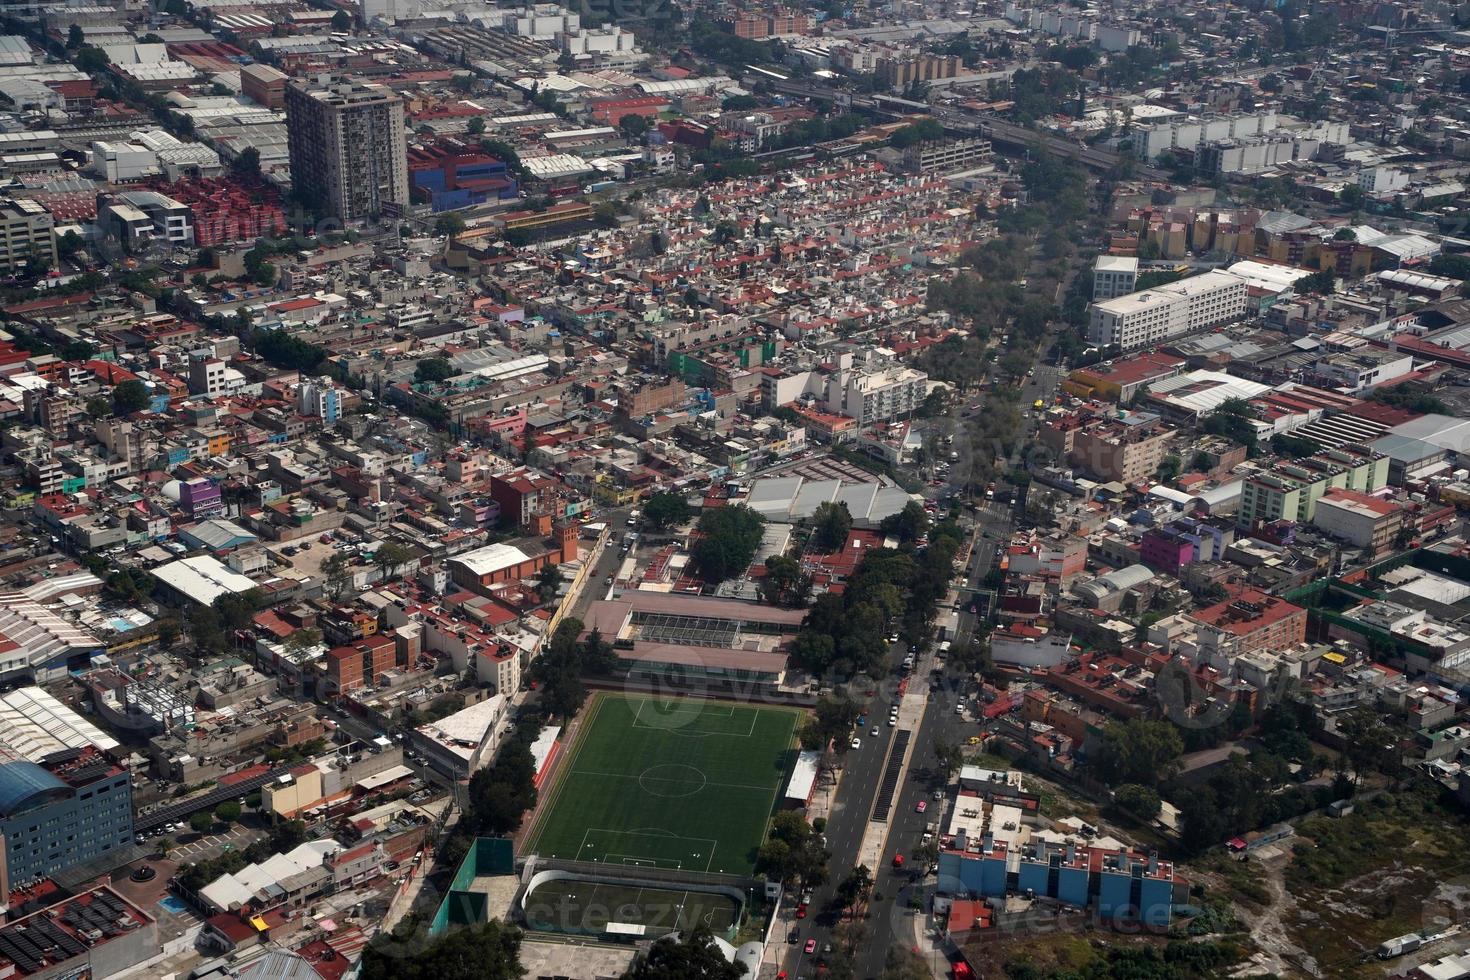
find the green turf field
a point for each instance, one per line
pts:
(670, 783)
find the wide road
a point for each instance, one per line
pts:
(862, 771)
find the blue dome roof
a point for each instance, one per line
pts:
(24, 784)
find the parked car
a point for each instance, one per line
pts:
(811, 947)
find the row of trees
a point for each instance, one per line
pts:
(846, 634)
(559, 670)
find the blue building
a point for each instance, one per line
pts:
(72, 807)
(446, 180)
(1115, 884)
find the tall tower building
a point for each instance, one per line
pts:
(348, 146)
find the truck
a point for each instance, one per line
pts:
(1399, 945)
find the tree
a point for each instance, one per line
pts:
(909, 524)
(665, 510)
(633, 126)
(1140, 801)
(695, 957)
(793, 851)
(1318, 282)
(830, 525)
(341, 22)
(484, 951)
(449, 224)
(1138, 750)
(389, 556)
(548, 583)
(727, 542)
(303, 640)
(246, 162)
(99, 407)
(433, 370)
(949, 757)
(855, 888)
(337, 571)
(227, 812)
(475, 126)
(78, 350)
(168, 632)
(129, 397)
(200, 822)
(75, 37)
(92, 61)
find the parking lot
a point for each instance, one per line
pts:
(189, 847)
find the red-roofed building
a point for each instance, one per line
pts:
(1251, 621)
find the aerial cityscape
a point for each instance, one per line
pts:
(675, 490)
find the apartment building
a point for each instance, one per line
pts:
(1153, 316)
(876, 396)
(1291, 490)
(25, 235)
(1128, 449)
(1113, 276)
(1250, 622)
(348, 146)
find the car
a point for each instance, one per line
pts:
(973, 740)
(857, 743)
(794, 936)
(921, 806)
(801, 911)
(874, 733)
(862, 721)
(959, 709)
(609, 580)
(938, 795)
(898, 860)
(892, 720)
(810, 947)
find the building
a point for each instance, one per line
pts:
(26, 235)
(509, 561)
(446, 180)
(1360, 519)
(1250, 622)
(1117, 884)
(320, 399)
(1122, 380)
(1290, 490)
(1128, 449)
(945, 155)
(95, 934)
(871, 396)
(1179, 543)
(66, 807)
(1152, 316)
(348, 146)
(263, 85)
(721, 640)
(139, 217)
(1113, 276)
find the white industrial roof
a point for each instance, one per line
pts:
(202, 578)
(35, 724)
(492, 558)
(1204, 391)
(556, 165)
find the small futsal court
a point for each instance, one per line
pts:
(676, 784)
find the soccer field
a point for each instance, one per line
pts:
(669, 783)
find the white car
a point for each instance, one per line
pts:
(959, 709)
(892, 720)
(857, 743)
